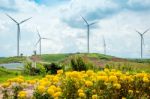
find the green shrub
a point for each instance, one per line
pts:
(38, 70)
(78, 64)
(52, 68)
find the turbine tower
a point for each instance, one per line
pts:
(18, 31)
(104, 45)
(40, 41)
(142, 40)
(88, 32)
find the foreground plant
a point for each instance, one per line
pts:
(107, 84)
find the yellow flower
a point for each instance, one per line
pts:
(19, 80)
(57, 94)
(101, 73)
(32, 82)
(45, 83)
(59, 71)
(53, 87)
(102, 78)
(80, 91)
(5, 85)
(145, 79)
(89, 83)
(41, 89)
(81, 94)
(94, 97)
(106, 70)
(58, 89)
(137, 91)
(130, 91)
(117, 85)
(123, 98)
(22, 94)
(89, 72)
(50, 91)
(113, 79)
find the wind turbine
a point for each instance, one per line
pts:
(88, 32)
(142, 40)
(18, 30)
(40, 40)
(104, 45)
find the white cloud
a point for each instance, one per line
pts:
(118, 29)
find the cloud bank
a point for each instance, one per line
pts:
(60, 21)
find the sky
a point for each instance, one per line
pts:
(61, 22)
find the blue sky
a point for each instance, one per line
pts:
(60, 20)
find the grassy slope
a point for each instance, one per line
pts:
(11, 59)
(62, 57)
(100, 60)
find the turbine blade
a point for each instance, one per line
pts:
(138, 32)
(85, 20)
(12, 18)
(146, 31)
(38, 33)
(93, 23)
(37, 42)
(25, 20)
(46, 38)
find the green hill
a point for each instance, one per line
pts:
(99, 60)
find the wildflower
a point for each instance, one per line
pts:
(45, 83)
(137, 91)
(102, 78)
(81, 94)
(123, 98)
(19, 80)
(50, 91)
(5, 85)
(80, 91)
(41, 89)
(130, 91)
(89, 72)
(145, 79)
(53, 87)
(117, 85)
(22, 94)
(58, 89)
(59, 71)
(94, 97)
(113, 79)
(106, 70)
(89, 83)
(57, 94)
(101, 73)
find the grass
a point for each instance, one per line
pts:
(62, 57)
(134, 66)
(12, 59)
(53, 57)
(6, 74)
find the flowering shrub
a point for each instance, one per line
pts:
(107, 84)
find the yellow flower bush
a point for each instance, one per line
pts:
(104, 84)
